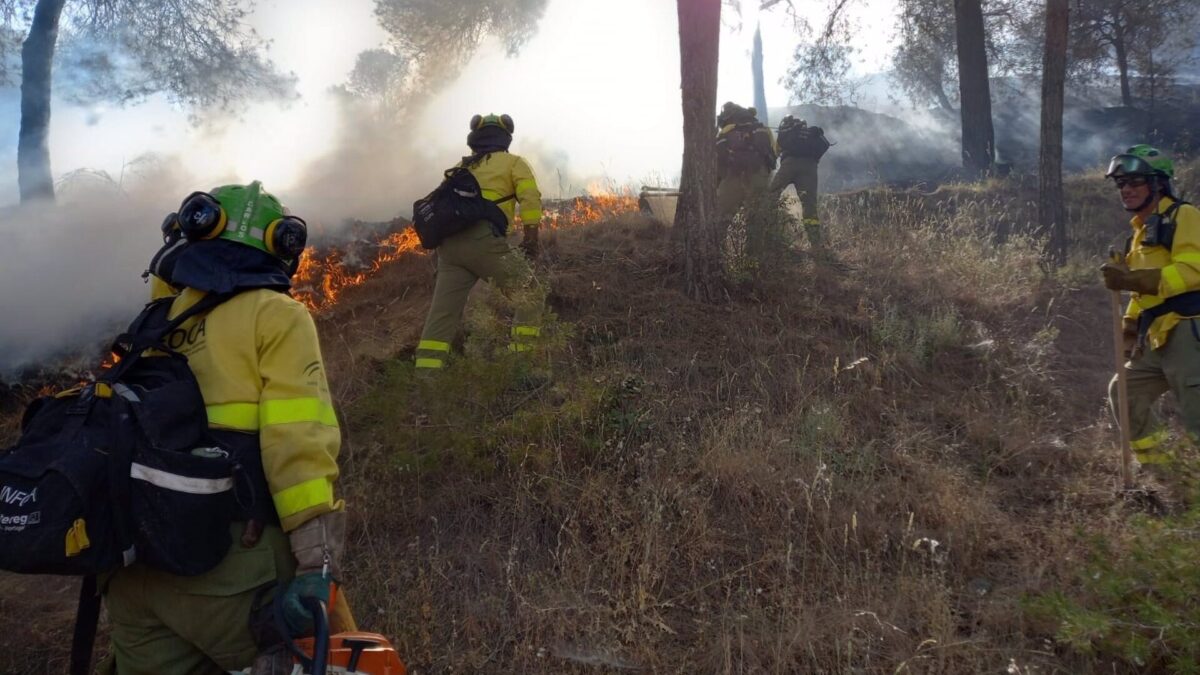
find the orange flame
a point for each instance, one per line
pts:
(323, 277)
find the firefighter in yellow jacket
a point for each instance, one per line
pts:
(746, 155)
(481, 252)
(1162, 270)
(258, 363)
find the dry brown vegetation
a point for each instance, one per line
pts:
(865, 470)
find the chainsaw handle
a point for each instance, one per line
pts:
(319, 662)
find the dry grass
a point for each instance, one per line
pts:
(830, 472)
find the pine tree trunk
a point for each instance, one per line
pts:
(696, 219)
(37, 59)
(978, 138)
(1122, 53)
(1051, 209)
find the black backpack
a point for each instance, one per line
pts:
(453, 206)
(121, 469)
(738, 150)
(808, 142)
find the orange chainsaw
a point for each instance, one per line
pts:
(347, 653)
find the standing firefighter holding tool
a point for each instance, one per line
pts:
(258, 363)
(1161, 270)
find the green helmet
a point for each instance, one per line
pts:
(1141, 160)
(245, 214)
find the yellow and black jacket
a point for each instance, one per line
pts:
(258, 362)
(1180, 266)
(501, 174)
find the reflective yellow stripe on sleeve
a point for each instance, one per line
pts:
(525, 184)
(1190, 257)
(429, 363)
(240, 416)
(531, 216)
(292, 410)
(1172, 281)
(531, 331)
(297, 498)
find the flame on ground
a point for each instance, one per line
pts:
(324, 275)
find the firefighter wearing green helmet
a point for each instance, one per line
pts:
(746, 155)
(482, 252)
(1161, 270)
(258, 363)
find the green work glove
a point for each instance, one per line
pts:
(312, 585)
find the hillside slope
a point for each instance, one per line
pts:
(857, 471)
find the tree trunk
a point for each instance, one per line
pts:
(1122, 52)
(978, 138)
(1051, 209)
(37, 58)
(1123, 70)
(696, 219)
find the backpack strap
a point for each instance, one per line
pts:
(87, 616)
(505, 199)
(141, 337)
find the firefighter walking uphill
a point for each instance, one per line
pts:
(482, 251)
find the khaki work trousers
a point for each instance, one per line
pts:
(462, 260)
(1173, 367)
(744, 190)
(801, 173)
(164, 624)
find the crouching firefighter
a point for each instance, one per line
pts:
(1161, 269)
(473, 249)
(258, 363)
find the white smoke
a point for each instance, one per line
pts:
(71, 271)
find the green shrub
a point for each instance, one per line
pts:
(1137, 598)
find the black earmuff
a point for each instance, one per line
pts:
(201, 217)
(286, 237)
(170, 228)
(506, 122)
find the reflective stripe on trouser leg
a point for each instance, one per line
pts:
(1148, 449)
(450, 294)
(523, 337)
(432, 353)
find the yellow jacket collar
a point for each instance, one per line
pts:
(1164, 203)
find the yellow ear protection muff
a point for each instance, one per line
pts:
(503, 121)
(286, 237)
(201, 217)
(244, 214)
